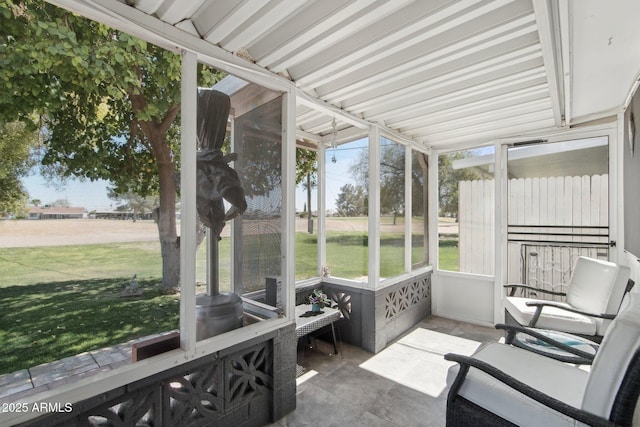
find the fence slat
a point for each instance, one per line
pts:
(572, 202)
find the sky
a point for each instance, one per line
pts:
(93, 195)
(79, 194)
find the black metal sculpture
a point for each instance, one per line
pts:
(216, 180)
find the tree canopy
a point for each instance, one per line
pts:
(16, 144)
(449, 179)
(351, 201)
(392, 157)
(109, 104)
(392, 184)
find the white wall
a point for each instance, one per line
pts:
(466, 297)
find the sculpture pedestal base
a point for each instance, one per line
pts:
(217, 314)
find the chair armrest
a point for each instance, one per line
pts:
(532, 288)
(555, 404)
(541, 304)
(587, 358)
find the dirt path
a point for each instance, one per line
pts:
(58, 232)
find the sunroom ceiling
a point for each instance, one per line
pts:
(441, 73)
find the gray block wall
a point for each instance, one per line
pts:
(372, 319)
(249, 384)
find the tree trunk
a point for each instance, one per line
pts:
(156, 132)
(169, 241)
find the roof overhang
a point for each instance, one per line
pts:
(439, 74)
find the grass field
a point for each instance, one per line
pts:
(58, 301)
(44, 322)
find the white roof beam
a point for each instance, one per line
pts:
(278, 11)
(344, 136)
(513, 45)
(232, 20)
(430, 28)
(462, 54)
(517, 81)
(362, 18)
(482, 118)
(469, 76)
(498, 125)
(308, 135)
(565, 26)
(422, 47)
(312, 20)
(549, 33)
(513, 98)
(412, 19)
(176, 10)
(475, 137)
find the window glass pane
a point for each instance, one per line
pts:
(466, 211)
(243, 255)
(257, 248)
(79, 277)
(418, 208)
(306, 215)
(347, 175)
(392, 208)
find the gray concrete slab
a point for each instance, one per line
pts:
(404, 385)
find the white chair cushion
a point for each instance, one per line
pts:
(609, 366)
(556, 379)
(597, 286)
(551, 317)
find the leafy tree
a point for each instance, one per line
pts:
(306, 165)
(109, 104)
(351, 201)
(449, 179)
(16, 143)
(392, 179)
(135, 203)
(60, 203)
(306, 173)
(420, 195)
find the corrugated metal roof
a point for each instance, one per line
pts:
(442, 73)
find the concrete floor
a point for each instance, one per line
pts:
(403, 385)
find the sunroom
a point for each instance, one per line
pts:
(457, 144)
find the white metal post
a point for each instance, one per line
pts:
(616, 188)
(188, 218)
(288, 201)
(374, 207)
(232, 224)
(500, 243)
(408, 208)
(322, 209)
(432, 182)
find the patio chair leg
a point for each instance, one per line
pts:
(333, 332)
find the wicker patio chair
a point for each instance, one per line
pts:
(593, 298)
(502, 385)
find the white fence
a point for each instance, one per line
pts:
(544, 214)
(476, 228)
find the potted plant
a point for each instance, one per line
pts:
(319, 300)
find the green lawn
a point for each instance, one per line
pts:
(64, 300)
(449, 258)
(43, 322)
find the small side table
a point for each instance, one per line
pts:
(306, 325)
(536, 345)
